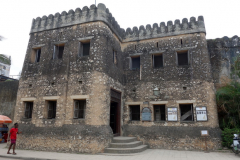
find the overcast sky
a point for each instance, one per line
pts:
(221, 18)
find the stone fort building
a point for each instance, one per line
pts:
(86, 80)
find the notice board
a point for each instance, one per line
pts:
(172, 114)
(201, 113)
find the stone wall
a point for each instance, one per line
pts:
(175, 137)
(101, 13)
(8, 97)
(67, 138)
(171, 79)
(223, 52)
(90, 77)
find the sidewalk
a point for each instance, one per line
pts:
(150, 154)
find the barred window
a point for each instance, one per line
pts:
(36, 54)
(58, 51)
(159, 113)
(157, 60)
(28, 109)
(182, 58)
(84, 48)
(114, 57)
(52, 105)
(186, 111)
(135, 63)
(135, 113)
(79, 108)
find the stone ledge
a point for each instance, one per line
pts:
(28, 99)
(186, 101)
(158, 102)
(51, 97)
(156, 52)
(133, 103)
(85, 38)
(79, 97)
(38, 46)
(60, 42)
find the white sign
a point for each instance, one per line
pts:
(204, 132)
(172, 114)
(201, 113)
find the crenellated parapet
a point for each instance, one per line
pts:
(163, 30)
(224, 42)
(79, 16)
(101, 13)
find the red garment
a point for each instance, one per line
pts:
(13, 133)
(5, 136)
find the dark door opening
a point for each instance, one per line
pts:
(115, 112)
(113, 116)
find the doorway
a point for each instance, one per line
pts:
(113, 116)
(115, 112)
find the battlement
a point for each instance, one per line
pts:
(101, 13)
(224, 42)
(163, 30)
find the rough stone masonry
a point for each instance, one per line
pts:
(85, 80)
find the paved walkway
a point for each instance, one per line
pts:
(150, 154)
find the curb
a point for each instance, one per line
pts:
(25, 158)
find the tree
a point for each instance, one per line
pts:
(5, 59)
(228, 99)
(228, 102)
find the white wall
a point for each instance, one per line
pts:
(4, 69)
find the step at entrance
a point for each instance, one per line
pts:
(125, 145)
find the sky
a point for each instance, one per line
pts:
(221, 18)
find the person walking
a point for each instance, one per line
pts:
(13, 136)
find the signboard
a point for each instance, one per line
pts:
(146, 114)
(204, 133)
(201, 113)
(172, 114)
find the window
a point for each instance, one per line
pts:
(159, 113)
(28, 109)
(84, 48)
(186, 112)
(135, 113)
(52, 109)
(36, 54)
(4, 67)
(58, 51)
(79, 108)
(182, 57)
(135, 63)
(114, 57)
(157, 60)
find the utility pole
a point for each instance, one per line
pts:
(95, 2)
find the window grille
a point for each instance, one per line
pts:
(28, 109)
(135, 113)
(52, 109)
(79, 108)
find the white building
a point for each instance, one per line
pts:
(5, 64)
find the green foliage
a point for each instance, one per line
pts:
(228, 100)
(8, 80)
(4, 59)
(236, 68)
(227, 136)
